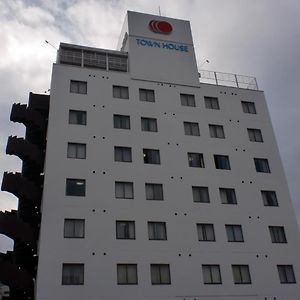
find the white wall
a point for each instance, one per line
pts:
(186, 272)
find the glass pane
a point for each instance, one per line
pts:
(165, 274)
(216, 276)
(131, 274)
(71, 150)
(155, 274)
(122, 274)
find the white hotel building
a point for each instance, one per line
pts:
(158, 185)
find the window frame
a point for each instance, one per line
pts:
(232, 235)
(191, 128)
(128, 233)
(127, 281)
(255, 135)
(77, 148)
(120, 151)
(262, 165)
(244, 278)
(147, 92)
(75, 117)
(227, 192)
(69, 282)
(200, 190)
(156, 191)
(195, 160)
(149, 123)
(158, 268)
(124, 185)
(249, 107)
(151, 156)
(282, 273)
(203, 232)
(267, 195)
(76, 87)
(277, 234)
(211, 268)
(155, 229)
(73, 235)
(187, 100)
(121, 121)
(78, 181)
(222, 160)
(120, 92)
(216, 131)
(211, 102)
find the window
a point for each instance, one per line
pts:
(72, 274)
(77, 117)
(286, 274)
(227, 196)
(248, 107)
(125, 230)
(269, 198)
(74, 228)
(157, 231)
(262, 165)
(195, 160)
(222, 162)
(255, 135)
(78, 87)
(123, 190)
(75, 187)
(122, 122)
(191, 128)
(154, 191)
(127, 274)
(206, 232)
(120, 92)
(241, 274)
(211, 102)
(211, 274)
(147, 95)
(149, 124)
(234, 233)
(76, 150)
(216, 131)
(151, 156)
(123, 154)
(200, 194)
(187, 100)
(277, 234)
(160, 274)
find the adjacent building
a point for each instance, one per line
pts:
(146, 178)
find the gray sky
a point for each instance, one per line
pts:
(258, 37)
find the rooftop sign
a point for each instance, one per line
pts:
(162, 27)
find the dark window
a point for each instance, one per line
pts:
(157, 231)
(147, 95)
(262, 165)
(248, 107)
(211, 274)
(78, 87)
(120, 92)
(191, 128)
(125, 230)
(200, 194)
(206, 232)
(123, 190)
(154, 191)
(77, 117)
(121, 121)
(123, 154)
(286, 274)
(222, 162)
(76, 150)
(195, 160)
(211, 102)
(277, 234)
(216, 131)
(241, 274)
(151, 156)
(160, 274)
(234, 233)
(187, 100)
(255, 135)
(269, 198)
(75, 187)
(227, 196)
(74, 228)
(73, 274)
(127, 273)
(149, 124)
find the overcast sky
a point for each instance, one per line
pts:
(258, 37)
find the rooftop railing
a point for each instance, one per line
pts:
(228, 79)
(92, 58)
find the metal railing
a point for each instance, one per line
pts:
(228, 79)
(99, 59)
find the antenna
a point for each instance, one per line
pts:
(47, 42)
(159, 10)
(205, 62)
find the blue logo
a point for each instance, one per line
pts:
(163, 45)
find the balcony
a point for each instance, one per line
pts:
(228, 79)
(87, 57)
